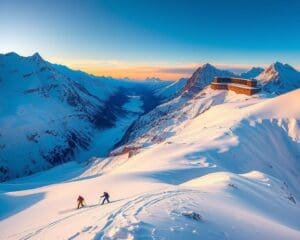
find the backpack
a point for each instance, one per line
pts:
(80, 199)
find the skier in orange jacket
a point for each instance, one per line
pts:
(80, 201)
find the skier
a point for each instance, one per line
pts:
(106, 197)
(80, 201)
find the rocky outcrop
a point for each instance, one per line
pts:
(202, 77)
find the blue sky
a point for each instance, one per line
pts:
(162, 38)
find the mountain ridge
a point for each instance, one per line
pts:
(75, 96)
(59, 114)
(279, 78)
(252, 73)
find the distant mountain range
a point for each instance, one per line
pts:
(278, 78)
(51, 114)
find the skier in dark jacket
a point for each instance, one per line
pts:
(80, 201)
(106, 197)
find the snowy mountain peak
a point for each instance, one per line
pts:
(36, 57)
(207, 66)
(252, 73)
(203, 76)
(10, 54)
(153, 79)
(278, 65)
(280, 78)
(280, 68)
(13, 59)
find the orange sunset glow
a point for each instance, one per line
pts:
(122, 69)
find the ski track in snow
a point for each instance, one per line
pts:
(120, 223)
(128, 215)
(59, 221)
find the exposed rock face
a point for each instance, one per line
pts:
(202, 77)
(129, 149)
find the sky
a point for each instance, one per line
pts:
(154, 38)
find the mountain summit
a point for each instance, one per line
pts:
(203, 76)
(36, 57)
(252, 73)
(279, 78)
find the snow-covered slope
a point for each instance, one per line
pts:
(164, 90)
(279, 78)
(51, 114)
(252, 73)
(229, 172)
(171, 90)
